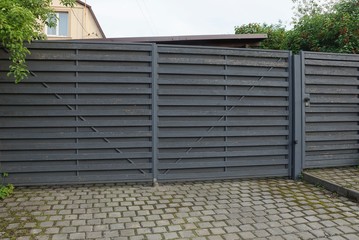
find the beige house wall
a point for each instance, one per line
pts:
(82, 23)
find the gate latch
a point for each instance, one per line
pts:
(307, 100)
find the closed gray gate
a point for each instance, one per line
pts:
(331, 90)
(100, 112)
(84, 115)
(223, 113)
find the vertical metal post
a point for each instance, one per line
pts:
(154, 87)
(226, 109)
(302, 72)
(299, 121)
(290, 115)
(77, 108)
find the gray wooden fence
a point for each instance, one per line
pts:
(106, 112)
(137, 112)
(331, 90)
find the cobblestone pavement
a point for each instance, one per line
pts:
(347, 177)
(238, 209)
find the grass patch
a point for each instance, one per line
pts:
(6, 190)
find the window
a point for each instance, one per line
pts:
(62, 25)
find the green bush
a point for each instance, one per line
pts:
(6, 191)
(332, 26)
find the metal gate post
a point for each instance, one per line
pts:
(299, 120)
(154, 113)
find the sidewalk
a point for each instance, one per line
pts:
(238, 209)
(344, 181)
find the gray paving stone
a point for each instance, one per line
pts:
(170, 235)
(85, 228)
(68, 230)
(52, 230)
(247, 235)
(127, 232)
(60, 237)
(77, 236)
(111, 234)
(154, 237)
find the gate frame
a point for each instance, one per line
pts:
(299, 114)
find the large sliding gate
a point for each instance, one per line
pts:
(95, 112)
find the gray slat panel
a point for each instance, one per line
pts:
(88, 113)
(84, 118)
(222, 112)
(332, 122)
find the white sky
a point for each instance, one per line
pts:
(138, 18)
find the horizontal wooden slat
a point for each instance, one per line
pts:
(80, 156)
(332, 147)
(326, 138)
(209, 154)
(5, 123)
(331, 128)
(333, 100)
(336, 91)
(222, 103)
(10, 101)
(102, 80)
(166, 166)
(222, 123)
(332, 72)
(332, 163)
(68, 90)
(339, 118)
(333, 109)
(81, 167)
(332, 63)
(198, 92)
(210, 144)
(229, 62)
(55, 113)
(222, 82)
(244, 173)
(172, 134)
(62, 146)
(331, 56)
(103, 57)
(322, 157)
(337, 82)
(69, 135)
(190, 71)
(221, 51)
(239, 113)
(68, 68)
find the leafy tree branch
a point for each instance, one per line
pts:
(23, 21)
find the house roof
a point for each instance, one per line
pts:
(93, 15)
(227, 40)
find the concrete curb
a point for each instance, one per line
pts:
(343, 191)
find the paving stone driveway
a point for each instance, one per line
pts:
(347, 177)
(238, 209)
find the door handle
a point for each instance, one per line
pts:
(307, 100)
